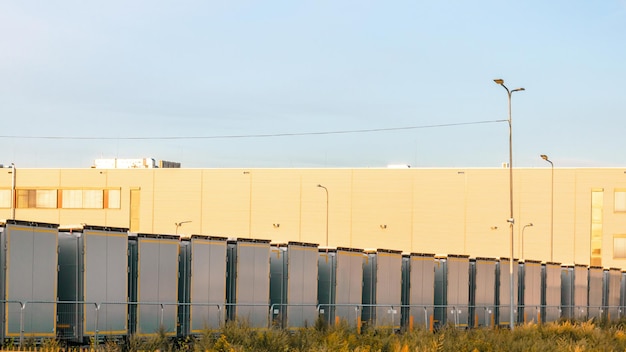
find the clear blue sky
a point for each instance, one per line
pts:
(112, 71)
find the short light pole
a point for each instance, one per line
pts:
(545, 157)
(326, 189)
(510, 220)
(524, 228)
(179, 224)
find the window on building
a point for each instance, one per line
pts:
(90, 198)
(5, 198)
(82, 199)
(597, 204)
(620, 201)
(113, 198)
(71, 198)
(93, 199)
(37, 198)
(619, 247)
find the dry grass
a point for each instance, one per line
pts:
(236, 337)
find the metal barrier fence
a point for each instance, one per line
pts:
(96, 320)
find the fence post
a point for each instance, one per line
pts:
(456, 316)
(22, 307)
(161, 318)
(270, 316)
(486, 317)
(219, 315)
(95, 328)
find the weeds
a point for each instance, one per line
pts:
(239, 336)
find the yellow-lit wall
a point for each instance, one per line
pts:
(439, 211)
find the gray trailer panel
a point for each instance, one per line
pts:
(613, 294)
(157, 284)
(552, 292)
(340, 285)
(567, 291)
(105, 278)
(278, 284)
(248, 281)
(595, 295)
(208, 282)
(382, 288)
(581, 291)
(452, 290)
(503, 278)
(93, 268)
(302, 284)
(484, 292)
(30, 274)
(70, 314)
(293, 284)
(420, 289)
(530, 300)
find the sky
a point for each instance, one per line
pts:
(319, 84)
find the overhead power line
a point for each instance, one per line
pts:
(268, 135)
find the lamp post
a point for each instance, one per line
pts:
(524, 228)
(326, 189)
(510, 220)
(545, 157)
(179, 224)
(13, 198)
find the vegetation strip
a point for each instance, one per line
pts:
(235, 337)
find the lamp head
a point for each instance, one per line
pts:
(499, 81)
(544, 157)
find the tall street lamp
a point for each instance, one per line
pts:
(13, 197)
(510, 220)
(326, 189)
(545, 157)
(524, 228)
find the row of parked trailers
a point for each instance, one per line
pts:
(97, 281)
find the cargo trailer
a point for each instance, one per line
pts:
(530, 291)
(28, 279)
(248, 284)
(293, 284)
(157, 284)
(93, 268)
(551, 291)
(207, 283)
(340, 285)
(612, 284)
(568, 291)
(503, 287)
(382, 288)
(581, 291)
(596, 292)
(483, 292)
(418, 290)
(452, 302)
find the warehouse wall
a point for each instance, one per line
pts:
(443, 211)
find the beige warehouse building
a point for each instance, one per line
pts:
(441, 211)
